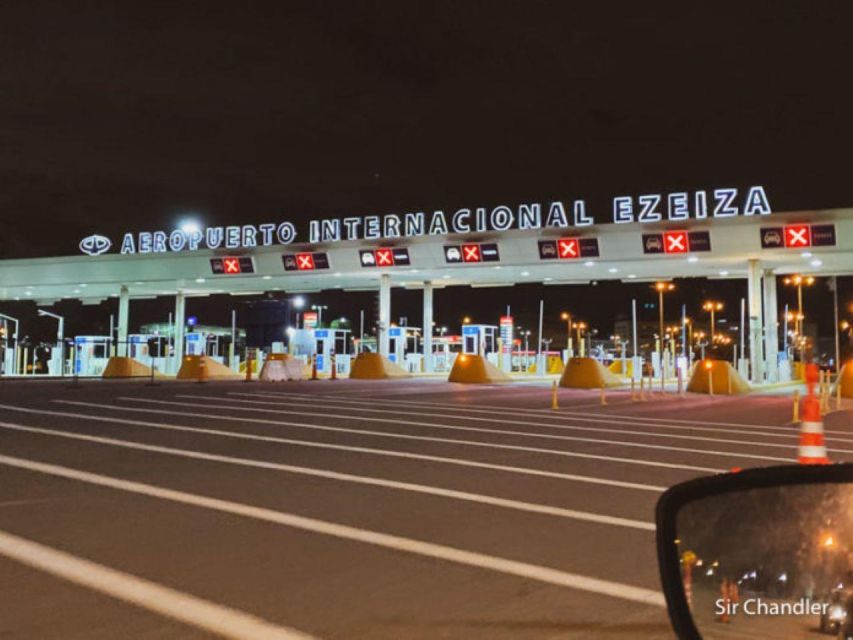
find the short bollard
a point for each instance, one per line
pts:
(633, 390)
(250, 363)
(554, 404)
(838, 395)
(642, 389)
(603, 396)
(796, 412)
(333, 363)
(314, 368)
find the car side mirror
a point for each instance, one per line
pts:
(763, 553)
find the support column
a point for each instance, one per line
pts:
(123, 318)
(384, 313)
(771, 327)
(756, 350)
(180, 323)
(428, 364)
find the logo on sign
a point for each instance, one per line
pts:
(95, 245)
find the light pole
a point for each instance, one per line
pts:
(319, 309)
(580, 326)
(568, 318)
(712, 306)
(60, 336)
(800, 281)
(298, 303)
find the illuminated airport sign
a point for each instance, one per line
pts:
(568, 248)
(232, 265)
(471, 253)
(798, 236)
(384, 257)
(676, 242)
(305, 261)
(530, 216)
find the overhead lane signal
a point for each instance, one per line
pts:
(568, 248)
(232, 265)
(385, 257)
(676, 242)
(471, 253)
(305, 261)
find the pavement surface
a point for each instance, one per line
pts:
(353, 509)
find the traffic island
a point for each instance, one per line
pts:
(122, 367)
(588, 373)
(716, 377)
(627, 371)
(204, 368)
(475, 369)
(374, 366)
(282, 367)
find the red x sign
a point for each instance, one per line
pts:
(471, 253)
(231, 265)
(569, 248)
(797, 235)
(305, 262)
(384, 257)
(675, 242)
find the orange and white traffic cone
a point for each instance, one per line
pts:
(334, 364)
(314, 368)
(812, 449)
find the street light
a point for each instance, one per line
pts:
(799, 281)
(60, 337)
(662, 288)
(466, 320)
(712, 306)
(580, 326)
(319, 309)
(568, 318)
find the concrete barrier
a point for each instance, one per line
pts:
(844, 384)
(716, 377)
(121, 367)
(588, 373)
(373, 366)
(191, 369)
(282, 369)
(474, 369)
(616, 367)
(553, 366)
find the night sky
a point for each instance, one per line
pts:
(129, 116)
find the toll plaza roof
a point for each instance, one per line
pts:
(818, 242)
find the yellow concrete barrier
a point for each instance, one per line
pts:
(844, 384)
(191, 369)
(716, 377)
(616, 367)
(121, 367)
(373, 366)
(553, 366)
(473, 369)
(588, 373)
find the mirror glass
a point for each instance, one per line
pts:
(770, 563)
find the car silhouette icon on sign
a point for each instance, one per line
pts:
(453, 254)
(367, 258)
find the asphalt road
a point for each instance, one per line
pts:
(407, 509)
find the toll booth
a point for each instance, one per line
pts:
(305, 343)
(91, 354)
(444, 352)
(328, 341)
(150, 350)
(481, 339)
(205, 343)
(404, 348)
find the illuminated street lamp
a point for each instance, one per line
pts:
(580, 327)
(568, 318)
(319, 308)
(661, 288)
(799, 281)
(712, 306)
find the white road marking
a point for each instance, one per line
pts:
(183, 607)
(446, 553)
(516, 505)
(349, 448)
(496, 420)
(524, 434)
(497, 409)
